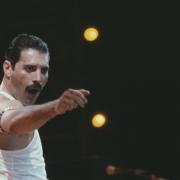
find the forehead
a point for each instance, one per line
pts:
(33, 56)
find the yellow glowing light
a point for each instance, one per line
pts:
(98, 120)
(91, 34)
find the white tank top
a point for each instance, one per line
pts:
(24, 164)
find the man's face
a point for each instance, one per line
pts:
(29, 75)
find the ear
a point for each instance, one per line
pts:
(7, 67)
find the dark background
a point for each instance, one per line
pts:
(131, 70)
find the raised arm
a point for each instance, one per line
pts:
(24, 119)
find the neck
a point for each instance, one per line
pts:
(5, 93)
(5, 87)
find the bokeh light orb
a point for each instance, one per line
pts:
(91, 34)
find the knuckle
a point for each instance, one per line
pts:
(69, 90)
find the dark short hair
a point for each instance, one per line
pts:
(21, 42)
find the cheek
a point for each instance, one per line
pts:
(19, 80)
(45, 80)
(16, 80)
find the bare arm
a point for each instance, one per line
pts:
(26, 119)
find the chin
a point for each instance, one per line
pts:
(29, 102)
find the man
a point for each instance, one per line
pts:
(25, 69)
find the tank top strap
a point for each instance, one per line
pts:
(7, 95)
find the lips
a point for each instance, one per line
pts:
(34, 89)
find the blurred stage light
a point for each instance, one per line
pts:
(91, 34)
(98, 120)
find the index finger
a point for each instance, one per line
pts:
(85, 92)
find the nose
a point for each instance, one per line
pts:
(37, 77)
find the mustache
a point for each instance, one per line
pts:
(34, 87)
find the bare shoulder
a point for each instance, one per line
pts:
(7, 103)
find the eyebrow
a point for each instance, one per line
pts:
(44, 66)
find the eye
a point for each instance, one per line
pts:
(44, 70)
(30, 68)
